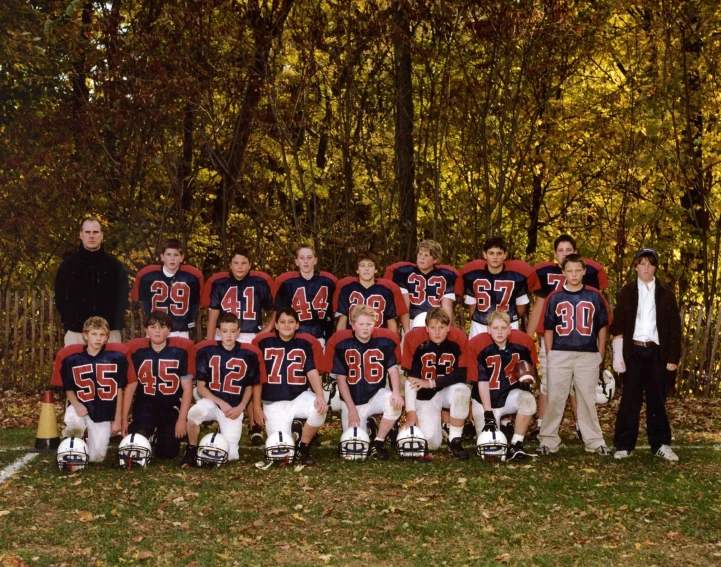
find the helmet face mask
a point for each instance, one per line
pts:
(606, 387)
(134, 451)
(280, 447)
(411, 443)
(213, 451)
(354, 444)
(72, 455)
(491, 446)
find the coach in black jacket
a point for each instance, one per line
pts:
(91, 282)
(646, 346)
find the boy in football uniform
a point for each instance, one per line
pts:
(550, 277)
(310, 293)
(360, 359)
(173, 288)
(382, 295)
(244, 293)
(93, 377)
(490, 359)
(425, 284)
(576, 324)
(165, 367)
(431, 359)
(291, 361)
(226, 372)
(496, 284)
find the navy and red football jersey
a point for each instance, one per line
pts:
(551, 278)
(160, 372)
(383, 296)
(422, 358)
(363, 364)
(246, 298)
(425, 291)
(287, 364)
(497, 292)
(487, 362)
(311, 299)
(227, 373)
(94, 379)
(576, 318)
(177, 295)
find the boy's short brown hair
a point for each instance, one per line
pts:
(160, 317)
(369, 256)
(96, 322)
(434, 248)
(495, 242)
(502, 315)
(173, 243)
(241, 251)
(360, 310)
(577, 258)
(228, 318)
(308, 246)
(438, 314)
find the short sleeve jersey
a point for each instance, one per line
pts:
(383, 296)
(287, 364)
(425, 291)
(177, 295)
(94, 379)
(227, 373)
(576, 318)
(551, 278)
(424, 359)
(487, 362)
(246, 298)
(497, 292)
(310, 298)
(363, 364)
(160, 372)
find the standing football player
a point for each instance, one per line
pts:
(576, 326)
(291, 360)
(490, 359)
(495, 283)
(360, 359)
(551, 279)
(226, 372)
(431, 359)
(310, 293)
(165, 367)
(425, 284)
(382, 295)
(173, 288)
(93, 376)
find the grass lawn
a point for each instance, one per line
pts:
(572, 508)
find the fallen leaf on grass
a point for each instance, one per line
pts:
(326, 512)
(504, 558)
(589, 470)
(85, 517)
(299, 518)
(674, 535)
(138, 539)
(4, 513)
(284, 547)
(143, 555)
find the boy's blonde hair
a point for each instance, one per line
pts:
(438, 314)
(433, 247)
(359, 310)
(502, 315)
(96, 323)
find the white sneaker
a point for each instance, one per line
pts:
(665, 452)
(622, 454)
(602, 450)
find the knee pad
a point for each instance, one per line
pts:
(315, 419)
(391, 413)
(526, 403)
(196, 414)
(460, 398)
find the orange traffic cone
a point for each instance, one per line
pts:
(47, 438)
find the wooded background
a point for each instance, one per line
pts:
(362, 124)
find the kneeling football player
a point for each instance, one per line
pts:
(291, 366)
(360, 359)
(226, 371)
(490, 359)
(436, 380)
(165, 367)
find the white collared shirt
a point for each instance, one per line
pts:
(646, 329)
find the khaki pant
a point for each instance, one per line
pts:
(73, 338)
(580, 370)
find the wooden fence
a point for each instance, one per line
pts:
(31, 335)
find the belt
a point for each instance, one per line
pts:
(646, 344)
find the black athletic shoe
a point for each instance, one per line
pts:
(303, 456)
(393, 434)
(533, 435)
(297, 429)
(517, 453)
(378, 450)
(507, 430)
(256, 436)
(469, 431)
(372, 427)
(190, 459)
(456, 449)
(578, 434)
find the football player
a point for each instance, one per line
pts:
(425, 284)
(431, 359)
(243, 293)
(291, 360)
(495, 283)
(173, 288)
(310, 293)
(93, 377)
(382, 295)
(164, 366)
(576, 324)
(226, 371)
(360, 359)
(490, 359)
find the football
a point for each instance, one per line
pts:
(524, 372)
